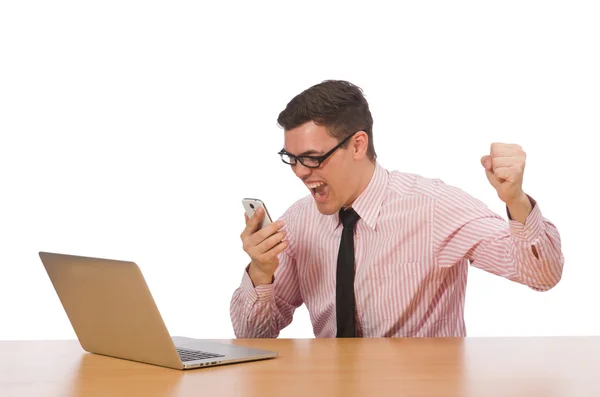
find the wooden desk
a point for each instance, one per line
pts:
(507, 367)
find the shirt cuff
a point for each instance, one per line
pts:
(532, 228)
(252, 293)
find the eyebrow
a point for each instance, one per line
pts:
(310, 153)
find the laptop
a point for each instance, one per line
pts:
(114, 314)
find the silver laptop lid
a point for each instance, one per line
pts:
(111, 308)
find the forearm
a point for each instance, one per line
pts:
(529, 254)
(256, 312)
(537, 251)
(527, 250)
(253, 318)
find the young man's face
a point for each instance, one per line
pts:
(332, 184)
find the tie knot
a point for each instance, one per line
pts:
(349, 217)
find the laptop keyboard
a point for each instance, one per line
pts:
(193, 355)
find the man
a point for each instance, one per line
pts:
(378, 253)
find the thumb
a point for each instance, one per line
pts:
(486, 161)
(492, 178)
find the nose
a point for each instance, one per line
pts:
(301, 171)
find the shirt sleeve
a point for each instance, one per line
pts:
(263, 311)
(464, 228)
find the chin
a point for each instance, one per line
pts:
(327, 208)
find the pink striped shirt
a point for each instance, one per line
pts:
(413, 244)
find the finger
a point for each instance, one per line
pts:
(503, 173)
(257, 252)
(492, 178)
(252, 223)
(246, 217)
(275, 251)
(499, 162)
(505, 150)
(262, 241)
(486, 161)
(270, 242)
(264, 233)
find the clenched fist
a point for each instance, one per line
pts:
(504, 167)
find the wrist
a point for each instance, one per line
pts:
(521, 201)
(519, 208)
(258, 277)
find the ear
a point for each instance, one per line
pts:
(360, 144)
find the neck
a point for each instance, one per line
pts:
(365, 174)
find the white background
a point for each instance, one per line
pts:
(132, 130)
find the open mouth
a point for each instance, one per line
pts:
(319, 190)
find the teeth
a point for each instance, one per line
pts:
(315, 185)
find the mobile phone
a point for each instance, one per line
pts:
(251, 205)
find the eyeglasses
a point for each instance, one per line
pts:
(311, 161)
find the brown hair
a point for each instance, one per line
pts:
(336, 104)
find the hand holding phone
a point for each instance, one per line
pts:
(263, 241)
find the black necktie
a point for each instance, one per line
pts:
(344, 298)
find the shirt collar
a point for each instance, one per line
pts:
(368, 204)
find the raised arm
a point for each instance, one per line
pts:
(265, 301)
(526, 249)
